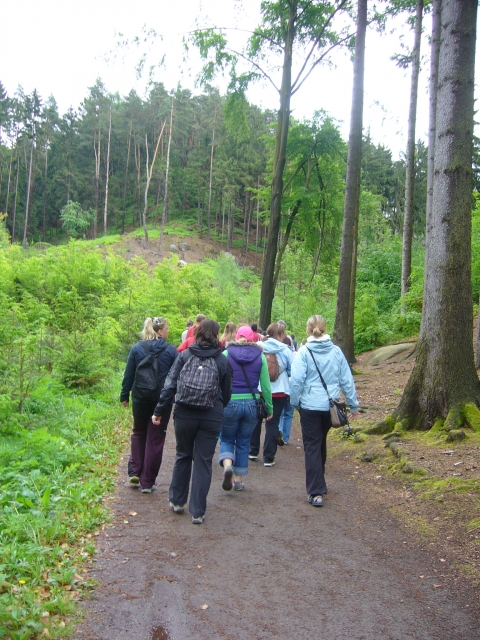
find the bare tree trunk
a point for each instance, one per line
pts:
(147, 185)
(29, 187)
(138, 166)
(231, 222)
(199, 212)
(211, 180)
(165, 197)
(126, 177)
(8, 182)
(444, 378)
(107, 177)
(45, 172)
(343, 331)
(15, 201)
(410, 160)
(257, 229)
(279, 158)
(434, 57)
(97, 183)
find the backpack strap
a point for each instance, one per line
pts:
(247, 380)
(146, 347)
(318, 371)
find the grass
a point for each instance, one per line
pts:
(54, 477)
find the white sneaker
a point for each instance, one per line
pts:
(177, 508)
(198, 520)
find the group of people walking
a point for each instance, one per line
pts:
(224, 388)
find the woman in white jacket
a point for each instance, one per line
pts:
(308, 395)
(280, 392)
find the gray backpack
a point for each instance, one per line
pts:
(198, 383)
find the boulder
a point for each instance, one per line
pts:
(182, 263)
(183, 246)
(385, 353)
(173, 248)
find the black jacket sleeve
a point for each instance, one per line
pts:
(167, 396)
(128, 376)
(226, 379)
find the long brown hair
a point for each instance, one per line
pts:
(206, 334)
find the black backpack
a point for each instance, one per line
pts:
(198, 383)
(146, 385)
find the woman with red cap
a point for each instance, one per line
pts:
(240, 415)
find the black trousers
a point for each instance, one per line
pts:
(271, 431)
(315, 426)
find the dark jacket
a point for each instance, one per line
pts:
(137, 354)
(167, 397)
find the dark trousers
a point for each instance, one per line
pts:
(147, 442)
(315, 427)
(199, 436)
(271, 431)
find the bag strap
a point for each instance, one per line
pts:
(247, 380)
(146, 347)
(318, 371)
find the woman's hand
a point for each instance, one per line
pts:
(156, 420)
(354, 416)
(270, 415)
(125, 403)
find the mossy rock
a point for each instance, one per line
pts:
(386, 426)
(456, 435)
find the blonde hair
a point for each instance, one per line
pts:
(229, 332)
(316, 326)
(151, 327)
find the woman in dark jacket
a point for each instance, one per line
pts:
(196, 428)
(147, 439)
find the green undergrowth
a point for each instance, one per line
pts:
(56, 465)
(436, 488)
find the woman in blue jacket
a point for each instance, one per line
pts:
(147, 439)
(308, 395)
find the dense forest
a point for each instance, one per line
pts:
(239, 177)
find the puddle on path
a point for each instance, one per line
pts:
(159, 633)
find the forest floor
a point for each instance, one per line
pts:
(390, 556)
(199, 249)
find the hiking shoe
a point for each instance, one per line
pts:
(148, 489)
(227, 483)
(178, 508)
(250, 457)
(198, 519)
(280, 440)
(134, 481)
(269, 464)
(316, 501)
(239, 486)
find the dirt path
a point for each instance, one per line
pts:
(268, 565)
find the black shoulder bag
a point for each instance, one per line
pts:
(262, 411)
(338, 410)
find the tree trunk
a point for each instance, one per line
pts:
(45, 172)
(147, 185)
(199, 212)
(97, 183)
(268, 291)
(165, 197)
(444, 378)
(29, 188)
(15, 201)
(434, 56)
(210, 181)
(410, 159)
(107, 176)
(8, 181)
(343, 331)
(231, 222)
(258, 224)
(126, 177)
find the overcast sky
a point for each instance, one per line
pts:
(61, 48)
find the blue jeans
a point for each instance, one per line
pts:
(239, 420)
(285, 424)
